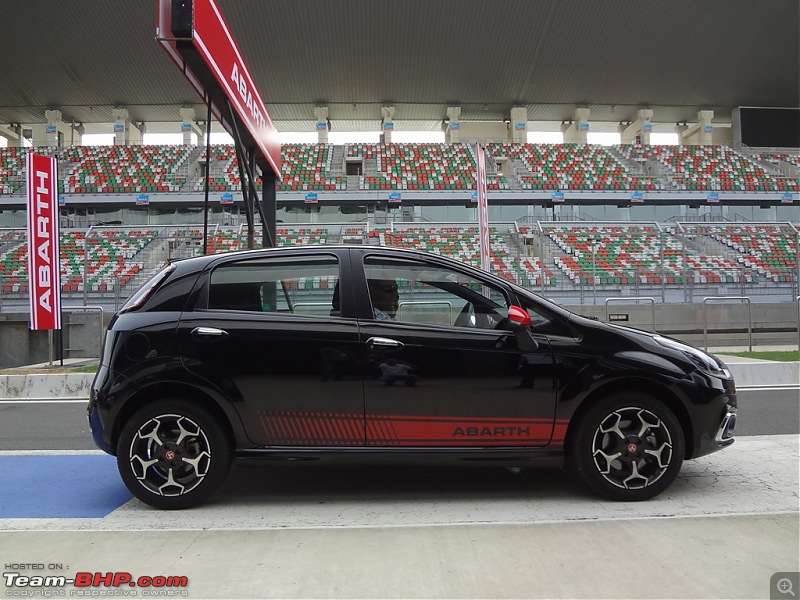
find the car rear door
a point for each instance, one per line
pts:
(267, 333)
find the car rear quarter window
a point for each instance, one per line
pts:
(305, 286)
(144, 292)
(172, 295)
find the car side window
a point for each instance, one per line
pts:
(305, 287)
(543, 321)
(410, 291)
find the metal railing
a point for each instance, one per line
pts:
(75, 310)
(745, 299)
(635, 299)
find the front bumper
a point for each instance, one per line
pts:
(724, 435)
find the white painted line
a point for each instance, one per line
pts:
(49, 452)
(39, 523)
(767, 388)
(47, 401)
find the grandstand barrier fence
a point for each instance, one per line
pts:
(747, 302)
(773, 324)
(572, 263)
(635, 299)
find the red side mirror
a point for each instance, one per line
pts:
(519, 316)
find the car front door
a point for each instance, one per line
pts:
(443, 367)
(269, 335)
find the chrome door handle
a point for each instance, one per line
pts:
(208, 333)
(380, 343)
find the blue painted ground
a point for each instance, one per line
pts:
(60, 486)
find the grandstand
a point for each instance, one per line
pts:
(118, 170)
(571, 261)
(563, 258)
(711, 214)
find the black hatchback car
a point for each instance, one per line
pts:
(368, 352)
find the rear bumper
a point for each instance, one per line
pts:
(96, 426)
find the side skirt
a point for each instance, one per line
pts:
(506, 457)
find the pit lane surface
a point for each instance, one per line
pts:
(723, 528)
(62, 425)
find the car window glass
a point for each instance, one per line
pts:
(416, 292)
(172, 295)
(304, 287)
(543, 321)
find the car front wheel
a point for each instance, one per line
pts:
(628, 447)
(172, 454)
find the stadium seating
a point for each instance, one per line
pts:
(436, 167)
(604, 255)
(305, 167)
(107, 257)
(124, 169)
(626, 255)
(769, 249)
(785, 184)
(112, 256)
(221, 169)
(231, 239)
(13, 260)
(716, 168)
(462, 243)
(12, 169)
(418, 166)
(301, 236)
(570, 167)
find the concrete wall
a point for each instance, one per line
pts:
(19, 346)
(726, 323)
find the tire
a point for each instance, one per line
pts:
(172, 454)
(628, 447)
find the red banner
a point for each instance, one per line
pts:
(214, 42)
(44, 266)
(483, 209)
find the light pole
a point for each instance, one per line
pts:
(594, 247)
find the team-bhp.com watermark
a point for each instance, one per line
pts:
(28, 581)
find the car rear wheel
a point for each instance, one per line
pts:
(628, 447)
(172, 454)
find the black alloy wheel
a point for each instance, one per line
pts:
(628, 447)
(172, 455)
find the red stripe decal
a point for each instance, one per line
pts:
(305, 428)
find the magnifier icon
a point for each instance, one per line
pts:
(784, 586)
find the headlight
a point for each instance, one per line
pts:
(703, 361)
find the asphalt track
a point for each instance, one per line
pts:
(722, 530)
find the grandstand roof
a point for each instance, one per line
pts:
(418, 55)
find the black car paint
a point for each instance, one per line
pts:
(148, 355)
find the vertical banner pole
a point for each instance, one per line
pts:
(208, 176)
(483, 210)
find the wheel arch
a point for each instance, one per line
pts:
(227, 419)
(647, 387)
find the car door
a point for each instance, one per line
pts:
(443, 367)
(267, 332)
